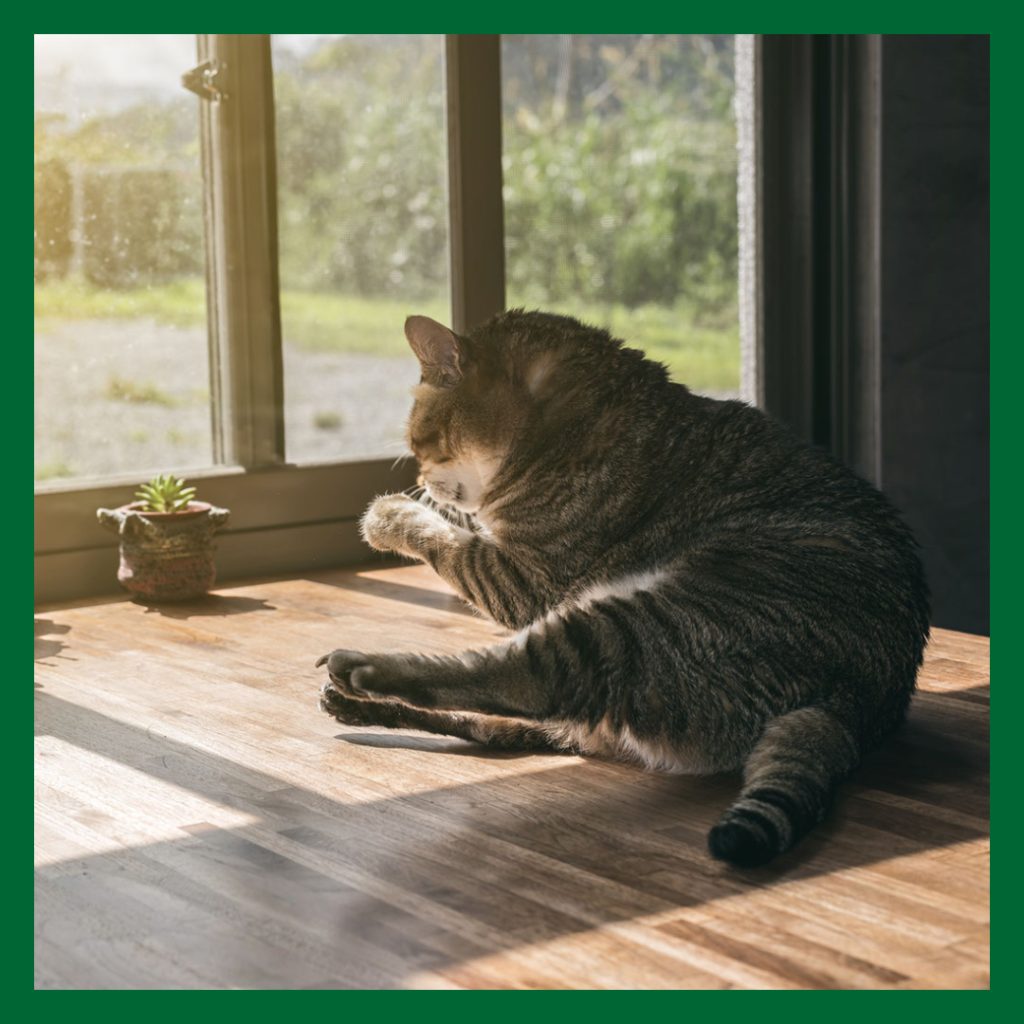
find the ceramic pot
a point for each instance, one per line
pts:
(165, 556)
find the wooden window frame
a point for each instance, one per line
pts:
(243, 296)
(475, 207)
(817, 227)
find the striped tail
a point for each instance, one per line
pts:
(788, 784)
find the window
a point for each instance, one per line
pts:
(228, 275)
(620, 191)
(363, 232)
(121, 365)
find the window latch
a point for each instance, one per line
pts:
(203, 79)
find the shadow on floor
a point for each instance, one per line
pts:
(325, 893)
(45, 644)
(422, 597)
(401, 740)
(210, 604)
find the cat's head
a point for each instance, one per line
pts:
(524, 388)
(461, 421)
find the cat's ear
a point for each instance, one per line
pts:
(438, 349)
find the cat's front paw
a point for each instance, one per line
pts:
(389, 523)
(373, 677)
(395, 522)
(338, 706)
(350, 673)
(344, 708)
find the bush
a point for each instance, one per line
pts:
(361, 167)
(619, 159)
(622, 207)
(632, 200)
(620, 170)
(52, 219)
(142, 226)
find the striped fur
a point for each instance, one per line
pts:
(693, 589)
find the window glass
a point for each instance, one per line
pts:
(363, 230)
(121, 355)
(620, 191)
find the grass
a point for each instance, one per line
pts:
(704, 357)
(123, 389)
(53, 470)
(180, 303)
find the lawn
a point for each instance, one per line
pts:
(705, 357)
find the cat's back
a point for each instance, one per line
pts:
(738, 470)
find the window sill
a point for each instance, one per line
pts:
(283, 519)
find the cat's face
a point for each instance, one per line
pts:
(460, 423)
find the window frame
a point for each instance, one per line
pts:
(285, 517)
(819, 104)
(243, 296)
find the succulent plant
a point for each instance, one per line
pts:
(165, 494)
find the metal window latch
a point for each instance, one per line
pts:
(203, 78)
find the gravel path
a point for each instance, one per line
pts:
(115, 396)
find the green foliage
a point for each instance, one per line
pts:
(136, 175)
(619, 161)
(623, 184)
(141, 226)
(52, 219)
(145, 135)
(361, 167)
(165, 494)
(623, 187)
(584, 222)
(620, 195)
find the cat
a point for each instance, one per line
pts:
(694, 589)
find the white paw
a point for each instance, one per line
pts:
(396, 522)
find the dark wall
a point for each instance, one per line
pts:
(874, 219)
(934, 310)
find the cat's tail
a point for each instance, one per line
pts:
(788, 783)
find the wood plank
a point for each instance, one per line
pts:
(201, 824)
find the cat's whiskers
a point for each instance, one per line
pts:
(452, 513)
(401, 458)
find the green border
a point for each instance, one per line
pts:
(739, 16)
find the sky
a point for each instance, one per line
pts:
(79, 74)
(156, 61)
(130, 59)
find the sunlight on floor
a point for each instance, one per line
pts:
(104, 805)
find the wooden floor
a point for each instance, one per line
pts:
(200, 823)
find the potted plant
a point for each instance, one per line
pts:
(166, 540)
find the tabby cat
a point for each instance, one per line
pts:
(693, 588)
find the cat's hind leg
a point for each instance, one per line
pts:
(495, 681)
(492, 730)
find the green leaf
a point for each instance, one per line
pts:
(165, 493)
